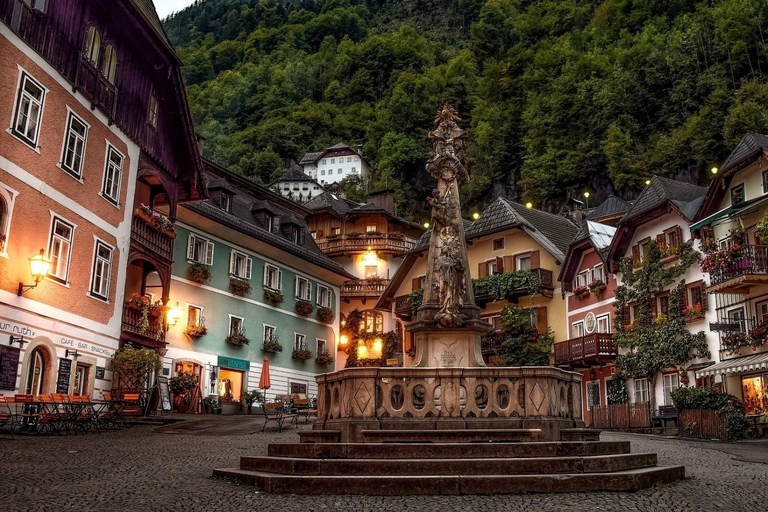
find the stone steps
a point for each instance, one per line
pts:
(447, 467)
(627, 480)
(448, 450)
(451, 436)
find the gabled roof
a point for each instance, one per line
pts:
(591, 235)
(339, 145)
(147, 8)
(310, 158)
(331, 201)
(749, 145)
(294, 173)
(610, 207)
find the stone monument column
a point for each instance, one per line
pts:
(448, 326)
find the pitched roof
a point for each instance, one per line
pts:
(591, 234)
(339, 145)
(749, 144)
(293, 173)
(611, 206)
(664, 190)
(329, 200)
(147, 8)
(310, 158)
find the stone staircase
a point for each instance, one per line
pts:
(408, 462)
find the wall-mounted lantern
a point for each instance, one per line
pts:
(174, 315)
(40, 265)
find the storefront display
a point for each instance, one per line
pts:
(755, 393)
(230, 385)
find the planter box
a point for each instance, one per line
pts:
(231, 408)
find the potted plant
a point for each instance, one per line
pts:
(581, 291)
(238, 338)
(249, 397)
(199, 273)
(181, 385)
(304, 307)
(157, 309)
(239, 286)
(324, 358)
(325, 315)
(301, 354)
(273, 297)
(196, 331)
(272, 345)
(733, 341)
(211, 404)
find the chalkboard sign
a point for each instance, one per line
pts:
(100, 372)
(9, 366)
(65, 371)
(165, 393)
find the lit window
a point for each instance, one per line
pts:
(60, 249)
(92, 45)
(102, 270)
(240, 265)
(112, 175)
(194, 316)
(370, 228)
(335, 231)
(323, 296)
(299, 342)
(154, 107)
(230, 385)
(29, 110)
(373, 321)
(273, 277)
(303, 289)
(109, 66)
(371, 271)
(74, 146)
(199, 250)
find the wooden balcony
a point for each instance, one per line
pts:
(92, 83)
(748, 269)
(546, 289)
(385, 242)
(596, 348)
(403, 308)
(363, 289)
(492, 342)
(151, 238)
(153, 335)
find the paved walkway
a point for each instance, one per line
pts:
(141, 469)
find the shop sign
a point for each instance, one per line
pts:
(234, 364)
(100, 372)
(393, 361)
(65, 371)
(9, 366)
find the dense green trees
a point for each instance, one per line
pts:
(557, 94)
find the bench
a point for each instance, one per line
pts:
(276, 412)
(664, 414)
(304, 408)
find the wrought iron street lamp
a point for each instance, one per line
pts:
(40, 265)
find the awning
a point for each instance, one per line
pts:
(743, 207)
(712, 218)
(699, 366)
(737, 365)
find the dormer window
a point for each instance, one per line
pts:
(226, 202)
(269, 222)
(153, 111)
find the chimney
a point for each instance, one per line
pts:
(384, 199)
(577, 214)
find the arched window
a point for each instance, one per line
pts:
(109, 66)
(36, 373)
(373, 321)
(92, 45)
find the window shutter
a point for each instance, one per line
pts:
(683, 298)
(653, 308)
(661, 240)
(298, 289)
(209, 253)
(679, 232)
(509, 264)
(414, 284)
(704, 297)
(541, 320)
(279, 279)
(308, 293)
(482, 269)
(500, 269)
(266, 275)
(317, 299)
(248, 266)
(232, 257)
(190, 247)
(636, 255)
(626, 317)
(535, 260)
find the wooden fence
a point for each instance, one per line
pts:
(702, 424)
(621, 416)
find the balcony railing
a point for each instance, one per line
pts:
(592, 348)
(151, 238)
(92, 83)
(403, 307)
(391, 242)
(363, 288)
(751, 260)
(545, 287)
(492, 342)
(132, 323)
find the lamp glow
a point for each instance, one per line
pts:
(39, 267)
(174, 315)
(647, 182)
(475, 215)
(362, 352)
(343, 340)
(586, 194)
(377, 345)
(529, 205)
(426, 225)
(714, 170)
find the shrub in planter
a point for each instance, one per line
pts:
(304, 307)
(237, 338)
(211, 403)
(239, 287)
(325, 315)
(199, 273)
(181, 385)
(324, 358)
(301, 354)
(272, 345)
(196, 331)
(273, 297)
(249, 397)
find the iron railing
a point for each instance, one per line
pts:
(751, 259)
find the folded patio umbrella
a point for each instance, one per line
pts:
(264, 382)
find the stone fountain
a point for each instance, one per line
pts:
(427, 429)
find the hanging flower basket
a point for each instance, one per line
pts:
(304, 307)
(301, 355)
(324, 358)
(239, 287)
(199, 273)
(325, 315)
(733, 341)
(273, 297)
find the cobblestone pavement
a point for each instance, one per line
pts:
(139, 469)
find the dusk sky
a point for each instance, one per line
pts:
(166, 7)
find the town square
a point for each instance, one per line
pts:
(356, 255)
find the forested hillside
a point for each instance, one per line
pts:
(558, 95)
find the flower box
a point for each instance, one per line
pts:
(581, 291)
(325, 315)
(271, 345)
(156, 220)
(301, 354)
(199, 273)
(239, 287)
(273, 297)
(237, 339)
(324, 358)
(304, 307)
